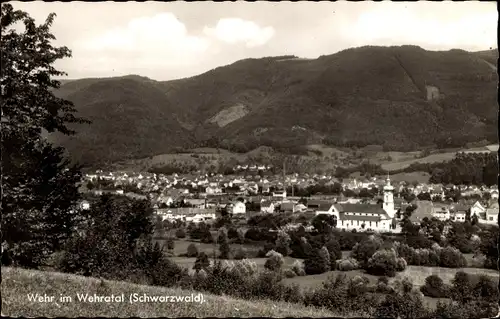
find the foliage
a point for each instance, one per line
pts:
(224, 248)
(364, 250)
(318, 262)
(180, 233)
(202, 262)
(347, 264)
(434, 287)
(192, 250)
(275, 261)
(108, 238)
(384, 263)
(283, 243)
(39, 186)
(324, 223)
(298, 268)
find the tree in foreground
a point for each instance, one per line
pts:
(39, 186)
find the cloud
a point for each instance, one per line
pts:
(160, 40)
(236, 30)
(398, 25)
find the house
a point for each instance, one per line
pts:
(211, 190)
(238, 208)
(494, 194)
(442, 213)
(320, 206)
(279, 194)
(459, 212)
(478, 210)
(266, 207)
(492, 215)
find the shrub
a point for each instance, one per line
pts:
(246, 267)
(202, 262)
(401, 305)
(434, 287)
(223, 241)
(400, 264)
(275, 261)
(298, 268)
(240, 254)
(170, 243)
(166, 273)
(180, 233)
(283, 243)
(232, 233)
(289, 273)
(486, 289)
(192, 250)
(318, 262)
(333, 247)
(383, 263)
(452, 258)
(347, 264)
(462, 289)
(364, 251)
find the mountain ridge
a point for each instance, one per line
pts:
(400, 97)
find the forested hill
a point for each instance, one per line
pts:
(399, 97)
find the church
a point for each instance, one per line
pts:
(363, 217)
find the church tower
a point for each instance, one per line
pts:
(388, 205)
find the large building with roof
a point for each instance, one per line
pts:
(376, 217)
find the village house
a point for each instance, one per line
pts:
(266, 206)
(478, 210)
(441, 212)
(492, 214)
(238, 207)
(459, 212)
(279, 194)
(494, 193)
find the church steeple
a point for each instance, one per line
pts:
(388, 205)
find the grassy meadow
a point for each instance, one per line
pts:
(18, 283)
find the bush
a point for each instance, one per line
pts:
(289, 273)
(283, 243)
(462, 289)
(364, 251)
(275, 261)
(240, 254)
(401, 264)
(347, 264)
(167, 273)
(180, 233)
(298, 268)
(486, 289)
(333, 247)
(192, 250)
(170, 243)
(318, 262)
(202, 262)
(383, 263)
(451, 257)
(434, 287)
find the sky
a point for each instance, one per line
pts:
(171, 40)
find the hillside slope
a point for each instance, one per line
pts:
(130, 118)
(400, 97)
(18, 283)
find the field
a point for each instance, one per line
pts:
(320, 156)
(18, 283)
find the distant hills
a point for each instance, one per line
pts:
(400, 97)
